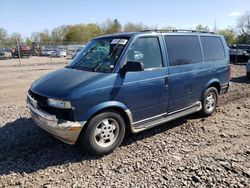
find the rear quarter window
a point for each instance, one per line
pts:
(212, 48)
(183, 49)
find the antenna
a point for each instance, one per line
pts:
(215, 25)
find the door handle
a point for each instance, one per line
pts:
(166, 81)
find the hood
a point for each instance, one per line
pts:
(59, 84)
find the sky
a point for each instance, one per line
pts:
(27, 16)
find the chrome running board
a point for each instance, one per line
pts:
(160, 119)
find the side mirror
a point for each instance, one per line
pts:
(133, 66)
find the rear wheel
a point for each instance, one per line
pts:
(248, 75)
(104, 133)
(209, 101)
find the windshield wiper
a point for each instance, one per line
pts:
(83, 68)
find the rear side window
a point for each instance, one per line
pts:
(212, 48)
(183, 49)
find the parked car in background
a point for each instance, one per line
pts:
(76, 51)
(238, 53)
(5, 53)
(130, 81)
(59, 53)
(24, 51)
(244, 47)
(47, 52)
(248, 69)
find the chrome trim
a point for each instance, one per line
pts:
(43, 114)
(148, 119)
(171, 116)
(198, 104)
(130, 117)
(65, 131)
(32, 100)
(224, 88)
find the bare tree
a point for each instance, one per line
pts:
(58, 34)
(130, 27)
(202, 28)
(3, 36)
(243, 28)
(35, 36)
(243, 23)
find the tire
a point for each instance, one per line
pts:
(98, 138)
(248, 75)
(209, 101)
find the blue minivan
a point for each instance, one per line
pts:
(130, 82)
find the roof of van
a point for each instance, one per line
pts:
(130, 34)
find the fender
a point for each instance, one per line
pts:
(214, 80)
(102, 106)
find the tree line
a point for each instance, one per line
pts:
(82, 33)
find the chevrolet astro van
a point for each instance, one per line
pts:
(130, 82)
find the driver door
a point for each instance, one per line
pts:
(146, 92)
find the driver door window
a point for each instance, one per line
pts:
(146, 50)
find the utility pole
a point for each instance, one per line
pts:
(18, 50)
(51, 52)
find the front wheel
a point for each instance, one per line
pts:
(209, 101)
(104, 133)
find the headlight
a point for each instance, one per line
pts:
(59, 103)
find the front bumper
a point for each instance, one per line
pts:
(65, 131)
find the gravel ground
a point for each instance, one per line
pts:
(188, 152)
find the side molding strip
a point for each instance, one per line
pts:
(147, 124)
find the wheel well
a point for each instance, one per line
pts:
(216, 85)
(116, 109)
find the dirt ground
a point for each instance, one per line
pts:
(188, 152)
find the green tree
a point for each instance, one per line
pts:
(229, 35)
(82, 33)
(202, 28)
(243, 39)
(44, 36)
(74, 33)
(90, 31)
(28, 41)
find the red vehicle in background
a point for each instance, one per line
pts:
(25, 51)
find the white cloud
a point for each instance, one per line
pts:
(233, 14)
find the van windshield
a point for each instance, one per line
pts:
(100, 55)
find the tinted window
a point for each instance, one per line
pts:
(212, 48)
(183, 50)
(147, 51)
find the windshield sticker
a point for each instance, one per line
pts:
(123, 41)
(120, 41)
